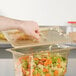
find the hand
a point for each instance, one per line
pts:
(30, 28)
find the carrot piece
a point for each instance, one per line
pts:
(64, 71)
(23, 57)
(59, 66)
(47, 74)
(48, 61)
(40, 62)
(45, 64)
(36, 59)
(38, 74)
(33, 70)
(45, 70)
(23, 71)
(43, 59)
(56, 73)
(29, 65)
(59, 60)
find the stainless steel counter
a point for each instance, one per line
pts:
(7, 65)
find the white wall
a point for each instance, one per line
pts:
(47, 12)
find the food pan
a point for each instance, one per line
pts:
(42, 60)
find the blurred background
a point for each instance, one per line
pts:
(45, 12)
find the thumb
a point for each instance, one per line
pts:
(36, 35)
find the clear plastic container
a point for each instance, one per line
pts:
(43, 60)
(72, 30)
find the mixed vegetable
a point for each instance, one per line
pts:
(43, 64)
(24, 62)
